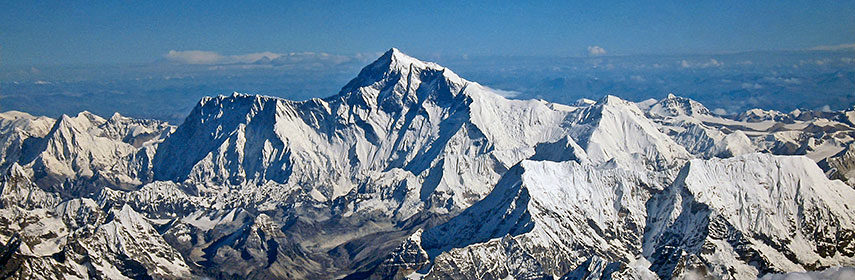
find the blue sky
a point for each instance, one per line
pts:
(61, 32)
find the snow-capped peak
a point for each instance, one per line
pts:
(16, 171)
(612, 100)
(582, 102)
(397, 59)
(760, 115)
(673, 106)
(395, 77)
(616, 129)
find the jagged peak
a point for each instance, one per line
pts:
(82, 120)
(759, 115)
(16, 171)
(395, 59)
(608, 105)
(612, 100)
(93, 118)
(392, 70)
(66, 122)
(77, 124)
(673, 105)
(237, 97)
(616, 129)
(582, 102)
(397, 66)
(617, 102)
(128, 217)
(116, 116)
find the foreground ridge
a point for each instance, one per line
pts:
(413, 171)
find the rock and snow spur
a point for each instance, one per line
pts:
(748, 216)
(550, 215)
(411, 171)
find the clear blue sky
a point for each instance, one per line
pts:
(61, 32)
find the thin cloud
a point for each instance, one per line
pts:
(252, 57)
(596, 51)
(833, 47)
(259, 58)
(702, 64)
(504, 93)
(194, 57)
(752, 86)
(209, 57)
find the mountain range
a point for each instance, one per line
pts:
(411, 171)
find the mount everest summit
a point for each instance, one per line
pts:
(411, 171)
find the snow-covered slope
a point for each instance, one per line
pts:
(736, 218)
(691, 125)
(750, 215)
(16, 189)
(78, 155)
(615, 129)
(80, 239)
(842, 165)
(549, 216)
(822, 136)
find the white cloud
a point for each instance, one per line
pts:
(825, 108)
(781, 80)
(596, 50)
(194, 57)
(701, 64)
(712, 63)
(214, 58)
(312, 57)
(751, 86)
(252, 57)
(719, 111)
(834, 273)
(504, 93)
